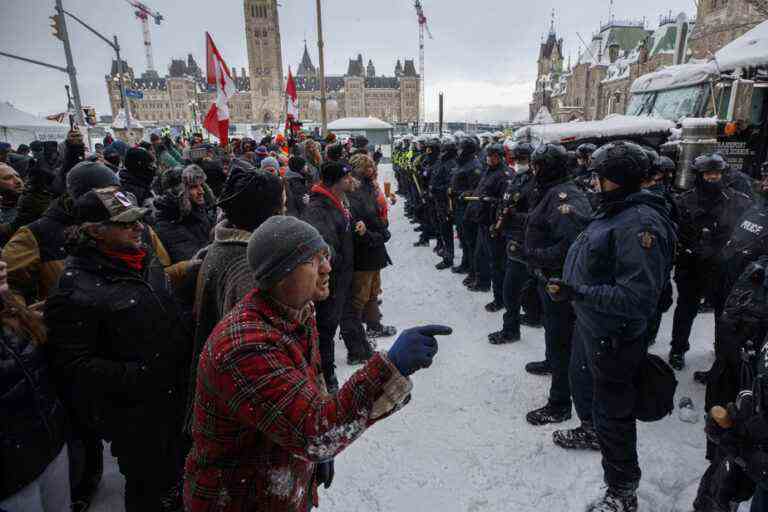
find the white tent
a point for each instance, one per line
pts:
(19, 127)
(377, 131)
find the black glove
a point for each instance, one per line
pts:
(324, 473)
(559, 291)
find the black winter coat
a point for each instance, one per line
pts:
(181, 238)
(620, 265)
(706, 224)
(119, 349)
(297, 190)
(337, 232)
(33, 424)
(466, 178)
(370, 249)
(489, 190)
(139, 186)
(553, 224)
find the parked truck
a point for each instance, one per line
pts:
(720, 104)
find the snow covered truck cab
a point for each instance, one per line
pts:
(717, 105)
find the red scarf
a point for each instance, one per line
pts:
(133, 259)
(321, 189)
(381, 202)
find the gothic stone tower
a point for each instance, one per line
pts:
(265, 59)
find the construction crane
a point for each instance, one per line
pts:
(422, 28)
(143, 14)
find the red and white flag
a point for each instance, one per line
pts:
(217, 119)
(292, 110)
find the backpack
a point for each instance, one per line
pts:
(656, 385)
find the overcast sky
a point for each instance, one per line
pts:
(483, 55)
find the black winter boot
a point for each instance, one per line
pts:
(582, 437)
(501, 337)
(549, 414)
(539, 368)
(616, 501)
(493, 307)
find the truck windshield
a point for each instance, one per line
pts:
(675, 104)
(640, 104)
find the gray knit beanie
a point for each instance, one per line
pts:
(270, 163)
(280, 245)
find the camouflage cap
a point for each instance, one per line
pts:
(107, 204)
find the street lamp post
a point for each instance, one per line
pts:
(71, 68)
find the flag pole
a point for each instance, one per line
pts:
(323, 112)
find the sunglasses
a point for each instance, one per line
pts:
(125, 225)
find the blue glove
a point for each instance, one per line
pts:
(415, 348)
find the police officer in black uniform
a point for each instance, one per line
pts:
(489, 253)
(439, 189)
(463, 183)
(424, 175)
(552, 225)
(517, 200)
(708, 215)
(655, 182)
(614, 275)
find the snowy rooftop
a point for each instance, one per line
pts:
(672, 77)
(751, 49)
(619, 70)
(359, 123)
(611, 126)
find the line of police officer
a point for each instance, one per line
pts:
(585, 242)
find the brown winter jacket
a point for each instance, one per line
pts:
(35, 257)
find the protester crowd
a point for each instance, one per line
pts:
(586, 244)
(168, 298)
(180, 301)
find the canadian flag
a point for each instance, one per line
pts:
(292, 110)
(217, 119)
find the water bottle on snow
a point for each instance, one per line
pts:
(686, 410)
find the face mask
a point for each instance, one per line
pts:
(521, 167)
(711, 188)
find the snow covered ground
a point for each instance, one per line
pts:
(462, 443)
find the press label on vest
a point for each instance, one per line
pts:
(753, 228)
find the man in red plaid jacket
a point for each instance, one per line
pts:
(265, 430)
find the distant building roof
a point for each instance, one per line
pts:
(312, 83)
(126, 68)
(550, 45)
(305, 66)
(382, 82)
(409, 69)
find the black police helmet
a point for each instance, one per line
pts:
(495, 149)
(468, 146)
(521, 150)
(624, 163)
(550, 162)
(433, 142)
(709, 162)
(664, 165)
(585, 150)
